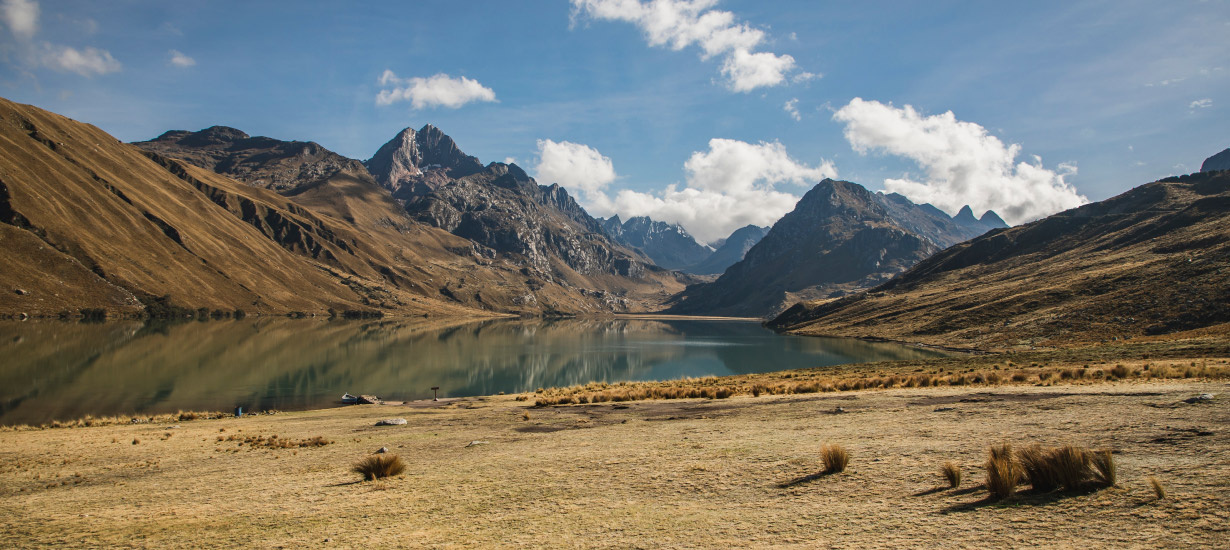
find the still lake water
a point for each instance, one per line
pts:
(62, 370)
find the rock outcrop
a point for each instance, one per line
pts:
(414, 163)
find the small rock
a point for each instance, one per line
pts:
(1199, 398)
(945, 409)
(473, 443)
(21, 292)
(839, 410)
(382, 450)
(391, 422)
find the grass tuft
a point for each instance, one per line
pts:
(834, 457)
(1003, 472)
(379, 466)
(1157, 487)
(1104, 472)
(952, 473)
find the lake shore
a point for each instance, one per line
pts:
(499, 471)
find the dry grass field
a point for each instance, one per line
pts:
(683, 473)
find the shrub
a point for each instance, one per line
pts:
(1157, 487)
(1071, 466)
(1003, 472)
(379, 466)
(834, 457)
(1037, 467)
(952, 473)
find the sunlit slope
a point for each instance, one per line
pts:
(152, 227)
(1152, 261)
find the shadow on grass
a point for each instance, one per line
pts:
(345, 483)
(1020, 498)
(955, 492)
(803, 480)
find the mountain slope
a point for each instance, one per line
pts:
(732, 249)
(79, 196)
(1153, 260)
(839, 238)
(1220, 161)
(380, 240)
(670, 246)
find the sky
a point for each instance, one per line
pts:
(712, 114)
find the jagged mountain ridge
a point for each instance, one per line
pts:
(730, 251)
(670, 246)
(120, 226)
(1149, 261)
(414, 163)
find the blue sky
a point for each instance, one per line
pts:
(594, 93)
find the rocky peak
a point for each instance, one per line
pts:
(992, 220)
(965, 216)
(420, 161)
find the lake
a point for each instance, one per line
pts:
(65, 370)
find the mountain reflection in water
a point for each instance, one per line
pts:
(60, 370)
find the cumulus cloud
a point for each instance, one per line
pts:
(577, 167)
(792, 108)
(440, 90)
(963, 164)
(21, 17)
(86, 62)
(1201, 104)
(180, 60)
(728, 186)
(678, 24)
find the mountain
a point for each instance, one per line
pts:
(669, 245)
(89, 222)
(730, 250)
(539, 228)
(413, 163)
(839, 238)
(282, 166)
(1220, 161)
(934, 225)
(1150, 261)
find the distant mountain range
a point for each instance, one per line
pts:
(218, 221)
(840, 238)
(1154, 260)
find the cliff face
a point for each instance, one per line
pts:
(1150, 261)
(413, 163)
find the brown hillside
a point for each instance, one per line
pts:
(94, 223)
(1154, 260)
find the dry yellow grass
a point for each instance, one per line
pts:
(834, 457)
(683, 473)
(952, 474)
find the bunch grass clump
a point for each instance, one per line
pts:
(379, 466)
(951, 473)
(1003, 471)
(835, 458)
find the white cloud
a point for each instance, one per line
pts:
(963, 164)
(180, 60)
(678, 24)
(1201, 104)
(579, 168)
(87, 62)
(732, 184)
(21, 17)
(792, 108)
(440, 90)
